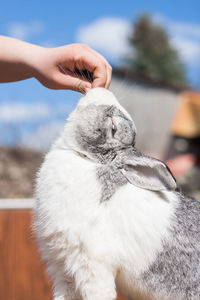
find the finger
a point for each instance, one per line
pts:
(101, 76)
(65, 81)
(108, 66)
(100, 56)
(87, 60)
(109, 76)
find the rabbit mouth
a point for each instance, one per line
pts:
(107, 156)
(81, 155)
(102, 158)
(86, 157)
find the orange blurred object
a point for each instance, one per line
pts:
(120, 297)
(186, 122)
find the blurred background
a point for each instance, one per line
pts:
(154, 49)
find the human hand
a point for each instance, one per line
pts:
(56, 68)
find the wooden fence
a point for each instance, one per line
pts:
(22, 275)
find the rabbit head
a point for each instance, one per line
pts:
(101, 130)
(99, 125)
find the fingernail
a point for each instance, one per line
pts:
(87, 89)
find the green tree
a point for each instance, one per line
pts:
(153, 54)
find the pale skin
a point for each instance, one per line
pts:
(53, 67)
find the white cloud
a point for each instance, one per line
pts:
(18, 30)
(24, 31)
(33, 125)
(18, 112)
(184, 36)
(108, 35)
(179, 28)
(186, 29)
(44, 136)
(189, 50)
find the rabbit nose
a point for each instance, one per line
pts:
(128, 139)
(127, 135)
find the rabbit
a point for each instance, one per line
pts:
(108, 217)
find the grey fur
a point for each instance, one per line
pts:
(110, 178)
(129, 165)
(93, 131)
(147, 172)
(116, 150)
(176, 270)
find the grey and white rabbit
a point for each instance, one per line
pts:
(108, 217)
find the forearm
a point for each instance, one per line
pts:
(16, 59)
(53, 67)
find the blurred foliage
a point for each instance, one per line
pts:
(153, 55)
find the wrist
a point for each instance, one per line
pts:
(32, 58)
(18, 59)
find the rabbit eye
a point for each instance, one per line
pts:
(114, 128)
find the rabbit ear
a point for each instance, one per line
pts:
(148, 173)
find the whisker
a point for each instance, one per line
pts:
(126, 85)
(84, 74)
(61, 68)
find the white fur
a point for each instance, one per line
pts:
(90, 247)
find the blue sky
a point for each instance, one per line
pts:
(54, 23)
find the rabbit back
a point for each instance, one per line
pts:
(177, 266)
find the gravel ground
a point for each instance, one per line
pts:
(18, 169)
